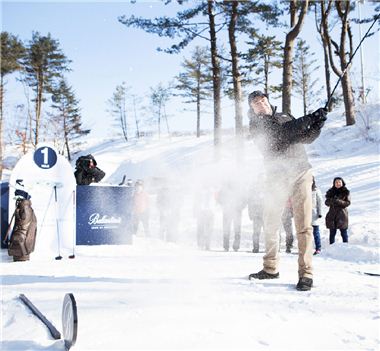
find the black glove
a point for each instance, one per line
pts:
(319, 216)
(319, 115)
(318, 118)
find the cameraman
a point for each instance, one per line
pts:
(86, 171)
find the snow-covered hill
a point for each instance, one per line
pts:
(157, 295)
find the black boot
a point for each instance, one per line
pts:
(304, 284)
(264, 275)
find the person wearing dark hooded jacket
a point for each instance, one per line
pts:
(87, 171)
(338, 199)
(279, 137)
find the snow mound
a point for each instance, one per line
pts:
(349, 252)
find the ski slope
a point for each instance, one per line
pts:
(164, 296)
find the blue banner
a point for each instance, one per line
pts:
(103, 215)
(4, 187)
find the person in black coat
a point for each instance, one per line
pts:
(338, 199)
(279, 137)
(87, 171)
(233, 199)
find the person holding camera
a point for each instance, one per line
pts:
(87, 171)
(279, 137)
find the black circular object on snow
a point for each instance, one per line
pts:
(69, 320)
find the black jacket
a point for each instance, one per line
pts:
(338, 199)
(85, 175)
(280, 137)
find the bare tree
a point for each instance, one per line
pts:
(343, 52)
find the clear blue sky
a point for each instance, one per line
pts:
(104, 53)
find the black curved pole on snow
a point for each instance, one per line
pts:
(349, 62)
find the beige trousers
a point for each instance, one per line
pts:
(278, 190)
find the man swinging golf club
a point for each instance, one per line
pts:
(279, 137)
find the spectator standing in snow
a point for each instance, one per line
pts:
(280, 137)
(232, 200)
(338, 199)
(140, 208)
(87, 171)
(287, 223)
(169, 201)
(316, 215)
(255, 211)
(204, 206)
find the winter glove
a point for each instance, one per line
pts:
(318, 118)
(319, 115)
(319, 216)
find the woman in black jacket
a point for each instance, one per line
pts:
(338, 199)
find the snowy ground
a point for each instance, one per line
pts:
(155, 295)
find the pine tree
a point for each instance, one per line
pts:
(238, 20)
(159, 96)
(43, 65)
(304, 66)
(12, 51)
(264, 55)
(194, 83)
(344, 50)
(68, 116)
(187, 26)
(118, 107)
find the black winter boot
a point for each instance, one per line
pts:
(304, 284)
(263, 275)
(255, 249)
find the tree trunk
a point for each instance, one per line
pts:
(287, 75)
(343, 70)
(38, 110)
(349, 105)
(198, 110)
(136, 120)
(266, 75)
(124, 117)
(236, 77)
(321, 27)
(66, 136)
(346, 80)
(216, 76)
(327, 74)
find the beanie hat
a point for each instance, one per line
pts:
(256, 94)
